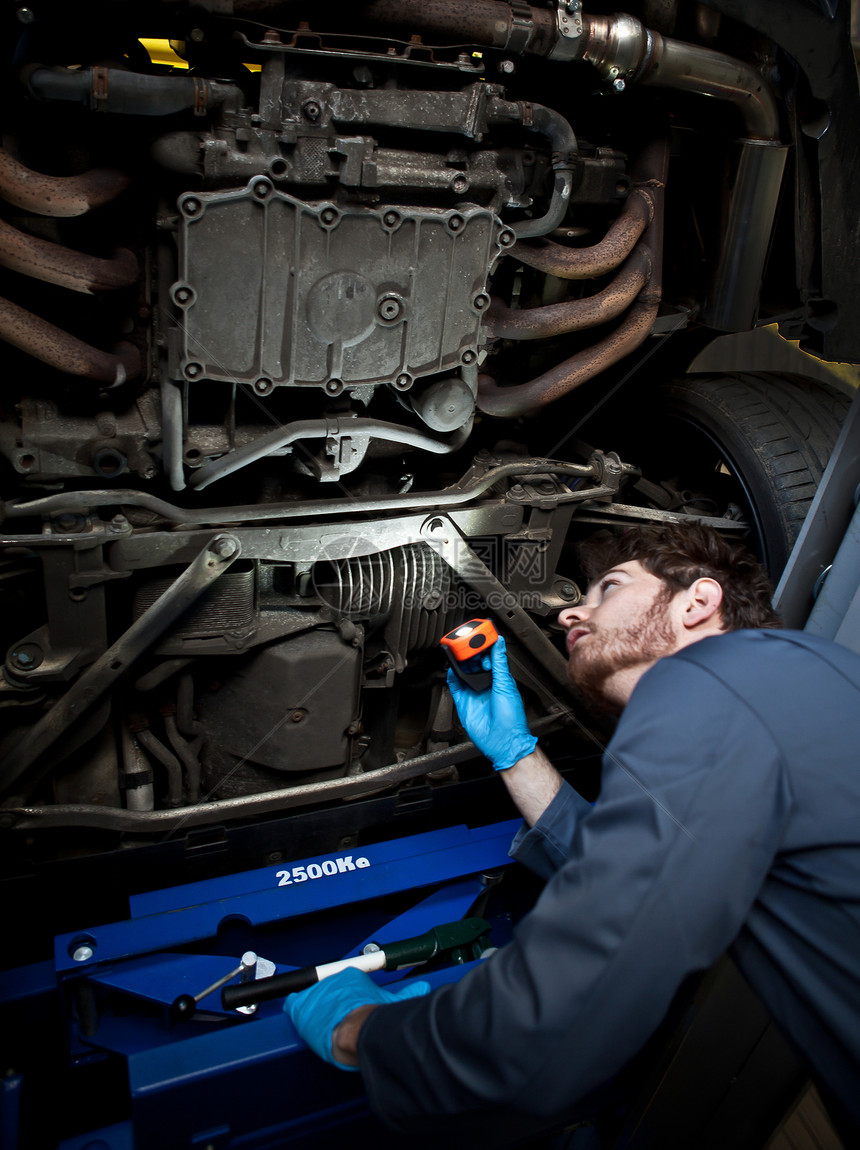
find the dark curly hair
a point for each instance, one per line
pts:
(680, 554)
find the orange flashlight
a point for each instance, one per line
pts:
(465, 646)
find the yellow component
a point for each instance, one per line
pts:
(848, 372)
(160, 52)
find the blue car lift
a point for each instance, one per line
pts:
(225, 1079)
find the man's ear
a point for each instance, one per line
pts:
(702, 604)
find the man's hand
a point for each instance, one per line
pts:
(495, 719)
(319, 1010)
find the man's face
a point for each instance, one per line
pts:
(624, 623)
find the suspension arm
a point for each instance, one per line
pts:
(21, 763)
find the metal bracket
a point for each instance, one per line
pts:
(442, 535)
(522, 27)
(568, 21)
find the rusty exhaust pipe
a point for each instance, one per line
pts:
(60, 196)
(65, 352)
(599, 259)
(526, 398)
(574, 315)
(42, 260)
(491, 23)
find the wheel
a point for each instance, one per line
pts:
(748, 444)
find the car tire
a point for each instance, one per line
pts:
(749, 444)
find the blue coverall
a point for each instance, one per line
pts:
(728, 818)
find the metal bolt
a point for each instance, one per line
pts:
(455, 223)
(460, 184)
(619, 85)
(311, 110)
(68, 523)
(568, 591)
(26, 656)
(82, 953)
(389, 309)
(198, 35)
(468, 357)
(191, 206)
(574, 5)
(328, 215)
(224, 547)
(507, 66)
(390, 219)
(182, 295)
(481, 301)
(297, 716)
(118, 523)
(403, 381)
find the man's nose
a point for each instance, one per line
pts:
(573, 615)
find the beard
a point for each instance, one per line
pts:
(596, 658)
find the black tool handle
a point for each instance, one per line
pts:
(265, 989)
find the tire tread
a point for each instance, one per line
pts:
(790, 423)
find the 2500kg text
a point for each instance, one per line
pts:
(321, 870)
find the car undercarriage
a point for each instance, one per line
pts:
(364, 289)
(327, 327)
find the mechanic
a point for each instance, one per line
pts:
(728, 818)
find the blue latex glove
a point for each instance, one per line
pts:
(495, 719)
(316, 1012)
